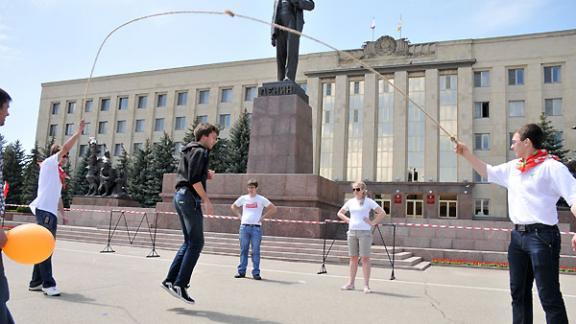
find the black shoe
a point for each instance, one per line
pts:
(167, 285)
(240, 275)
(182, 294)
(257, 277)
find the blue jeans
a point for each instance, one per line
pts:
(190, 213)
(42, 273)
(250, 235)
(536, 255)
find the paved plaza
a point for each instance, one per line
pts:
(124, 287)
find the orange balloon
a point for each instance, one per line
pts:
(29, 244)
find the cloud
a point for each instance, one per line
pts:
(498, 14)
(7, 53)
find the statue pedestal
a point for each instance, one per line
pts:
(281, 130)
(104, 201)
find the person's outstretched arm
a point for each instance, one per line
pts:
(71, 141)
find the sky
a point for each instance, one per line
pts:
(55, 40)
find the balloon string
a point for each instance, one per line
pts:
(230, 13)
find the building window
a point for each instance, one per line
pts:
(53, 130)
(448, 206)
(55, 108)
(249, 93)
(137, 147)
(122, 103)
(201, 119)
(161, 100)
(476, 177)
(414, 205)
(446, 82)
(448, 112)
(481, 79)
(226, 95)
(118, 149)
(203, 97)
(384, 201)
(159, 125)
(121, 126)
(178, 148)
(553, 107)
(355, 131)
(224, 121)
(102, 127)
(82, 151)
(71, 107)
(327, 132)
(88, 105)
(69, 129)
(552, 74)
(385, 140)
(105, 104)
(482, 207)
(180, 123)
(86, 129)
(416, 127)
(482, 109)
(182, 98)
(516, 76)
(516, 108)
(142, 101)
(139, 128)
(481, 142)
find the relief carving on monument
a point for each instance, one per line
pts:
(388, 46)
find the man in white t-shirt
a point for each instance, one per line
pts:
(535, 181)
(254, 209)
(45, 208)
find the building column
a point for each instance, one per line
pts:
(465, 118)
(340, 144)
(314, 92)
(370, 127)
(400, 126)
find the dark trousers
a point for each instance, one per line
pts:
(190, 213)
(5, 316)
(287, 47)
(42, 273)
(536, 255)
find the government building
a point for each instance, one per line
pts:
(480, 90)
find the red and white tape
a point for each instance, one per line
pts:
(422, 225)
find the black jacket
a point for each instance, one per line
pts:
(193, 167)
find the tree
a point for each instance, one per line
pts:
(79, 185)
(162, 162)
(139, 172)
(553, 142)
(67, 186)
(123, 169)
(30, 174)
(189, 135)
(45, 152)
(14, 162)
(239, 144)
(219, 156)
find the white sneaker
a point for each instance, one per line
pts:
(51, 291)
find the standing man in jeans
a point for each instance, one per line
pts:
(5, 316)
(45, 207)
(190, 193)
(535, 181)
(253, 206)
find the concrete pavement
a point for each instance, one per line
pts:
(124, 287)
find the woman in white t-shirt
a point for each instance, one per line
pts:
(360, 231)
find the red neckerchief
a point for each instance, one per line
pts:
(63, 176)
(534, 159)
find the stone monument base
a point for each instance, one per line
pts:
(299, 197)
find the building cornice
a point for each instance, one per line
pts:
(409, 67)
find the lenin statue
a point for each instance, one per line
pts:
(288, 13)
